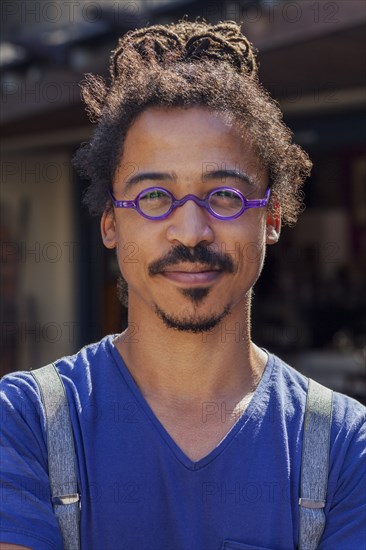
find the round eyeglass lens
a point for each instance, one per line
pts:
(155, 203)
(225, 203)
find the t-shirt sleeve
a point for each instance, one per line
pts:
(346, 518)
(25, 502)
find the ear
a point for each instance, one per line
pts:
(108, 228)
(273, 224)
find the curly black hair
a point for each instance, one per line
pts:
(180, 65)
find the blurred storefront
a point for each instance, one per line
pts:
(58, 282)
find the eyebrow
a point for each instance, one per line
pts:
(164, 176)
(153, 176)
(223, 174)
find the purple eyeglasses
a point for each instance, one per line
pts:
(225, 203)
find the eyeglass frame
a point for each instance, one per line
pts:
(203, 203)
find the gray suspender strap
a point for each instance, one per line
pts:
(61, 454)
(314, 465)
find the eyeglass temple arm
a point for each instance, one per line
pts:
(258, 203)
(121, 204)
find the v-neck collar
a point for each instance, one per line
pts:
(260, 398)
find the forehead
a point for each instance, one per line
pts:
(166, 118)
(185, 141)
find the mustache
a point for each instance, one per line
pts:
(199, 254)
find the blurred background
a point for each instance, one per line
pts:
(58, 283)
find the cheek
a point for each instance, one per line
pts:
(129, 256)
(248, 247)
(254, 248)
(137, 246)
(252, 254)
(127, 250)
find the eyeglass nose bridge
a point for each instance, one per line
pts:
(180, 202)
(205, 204)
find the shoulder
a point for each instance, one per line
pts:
(348, 414)
(348, 436)
(290, 386)
(19, 390)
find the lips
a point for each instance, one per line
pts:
(191, 274)
(199, 259)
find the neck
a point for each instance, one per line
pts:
(185, 367)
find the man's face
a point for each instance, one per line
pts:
(190, 269)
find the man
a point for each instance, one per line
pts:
(185, 438)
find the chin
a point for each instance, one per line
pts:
(193, 323)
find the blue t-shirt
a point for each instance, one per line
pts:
(141, 492)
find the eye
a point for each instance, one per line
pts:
(226, 202)
(153, 195)
(155, 202)
(226, 194)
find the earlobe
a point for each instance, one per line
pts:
(273, 224)
(108, 229)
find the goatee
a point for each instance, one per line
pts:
(193, 325)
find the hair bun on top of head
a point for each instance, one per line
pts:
(151, 43)
(237, 51)
(186, 41)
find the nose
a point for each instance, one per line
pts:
(190, 225)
